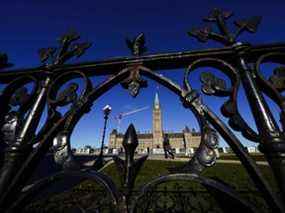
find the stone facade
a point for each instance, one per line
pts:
(182, 142)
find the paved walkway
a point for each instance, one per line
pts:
(89, 163)
(238, 162)
(218, 161)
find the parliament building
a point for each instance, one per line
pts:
(184, 142)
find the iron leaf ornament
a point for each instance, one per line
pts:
(46, 53)
(4, 61)
(278, 78)
(134, 82)
(250, 24)
(67, 50)
(236, 122)
(202, 34)
(216, 14)
(213, 85)
(224, 36)
(137, 45)
(68, 95)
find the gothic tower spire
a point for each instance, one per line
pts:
(157, 124)
(156, 101)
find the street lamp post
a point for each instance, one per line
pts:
(99, 161)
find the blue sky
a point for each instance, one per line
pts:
(29, 25)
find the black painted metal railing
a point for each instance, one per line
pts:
(20, 111)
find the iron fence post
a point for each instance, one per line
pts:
(272, 140)
(17, 152)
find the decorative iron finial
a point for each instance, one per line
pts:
(130, 142)
(137, 45)
(129, 167)
(67, 50)
(224, 36)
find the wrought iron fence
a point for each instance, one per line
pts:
(21, 110)
(171, 201)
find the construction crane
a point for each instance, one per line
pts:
(120, 116)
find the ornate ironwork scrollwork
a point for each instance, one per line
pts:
(63, 154)
(10, 127)
(67, 50)
(273, 87)
(265, 122)
(205, 155)
(224, 36)
(134, 82)
(216, 86)
(17, 100)
(21, 110)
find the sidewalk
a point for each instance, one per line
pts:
(218, 161)
(89, 163)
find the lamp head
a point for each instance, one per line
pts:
(107, 109)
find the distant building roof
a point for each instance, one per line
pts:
(120, 135)
(186, 129)
(114, 132)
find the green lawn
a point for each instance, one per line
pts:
(233, 174)
(85, 193)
